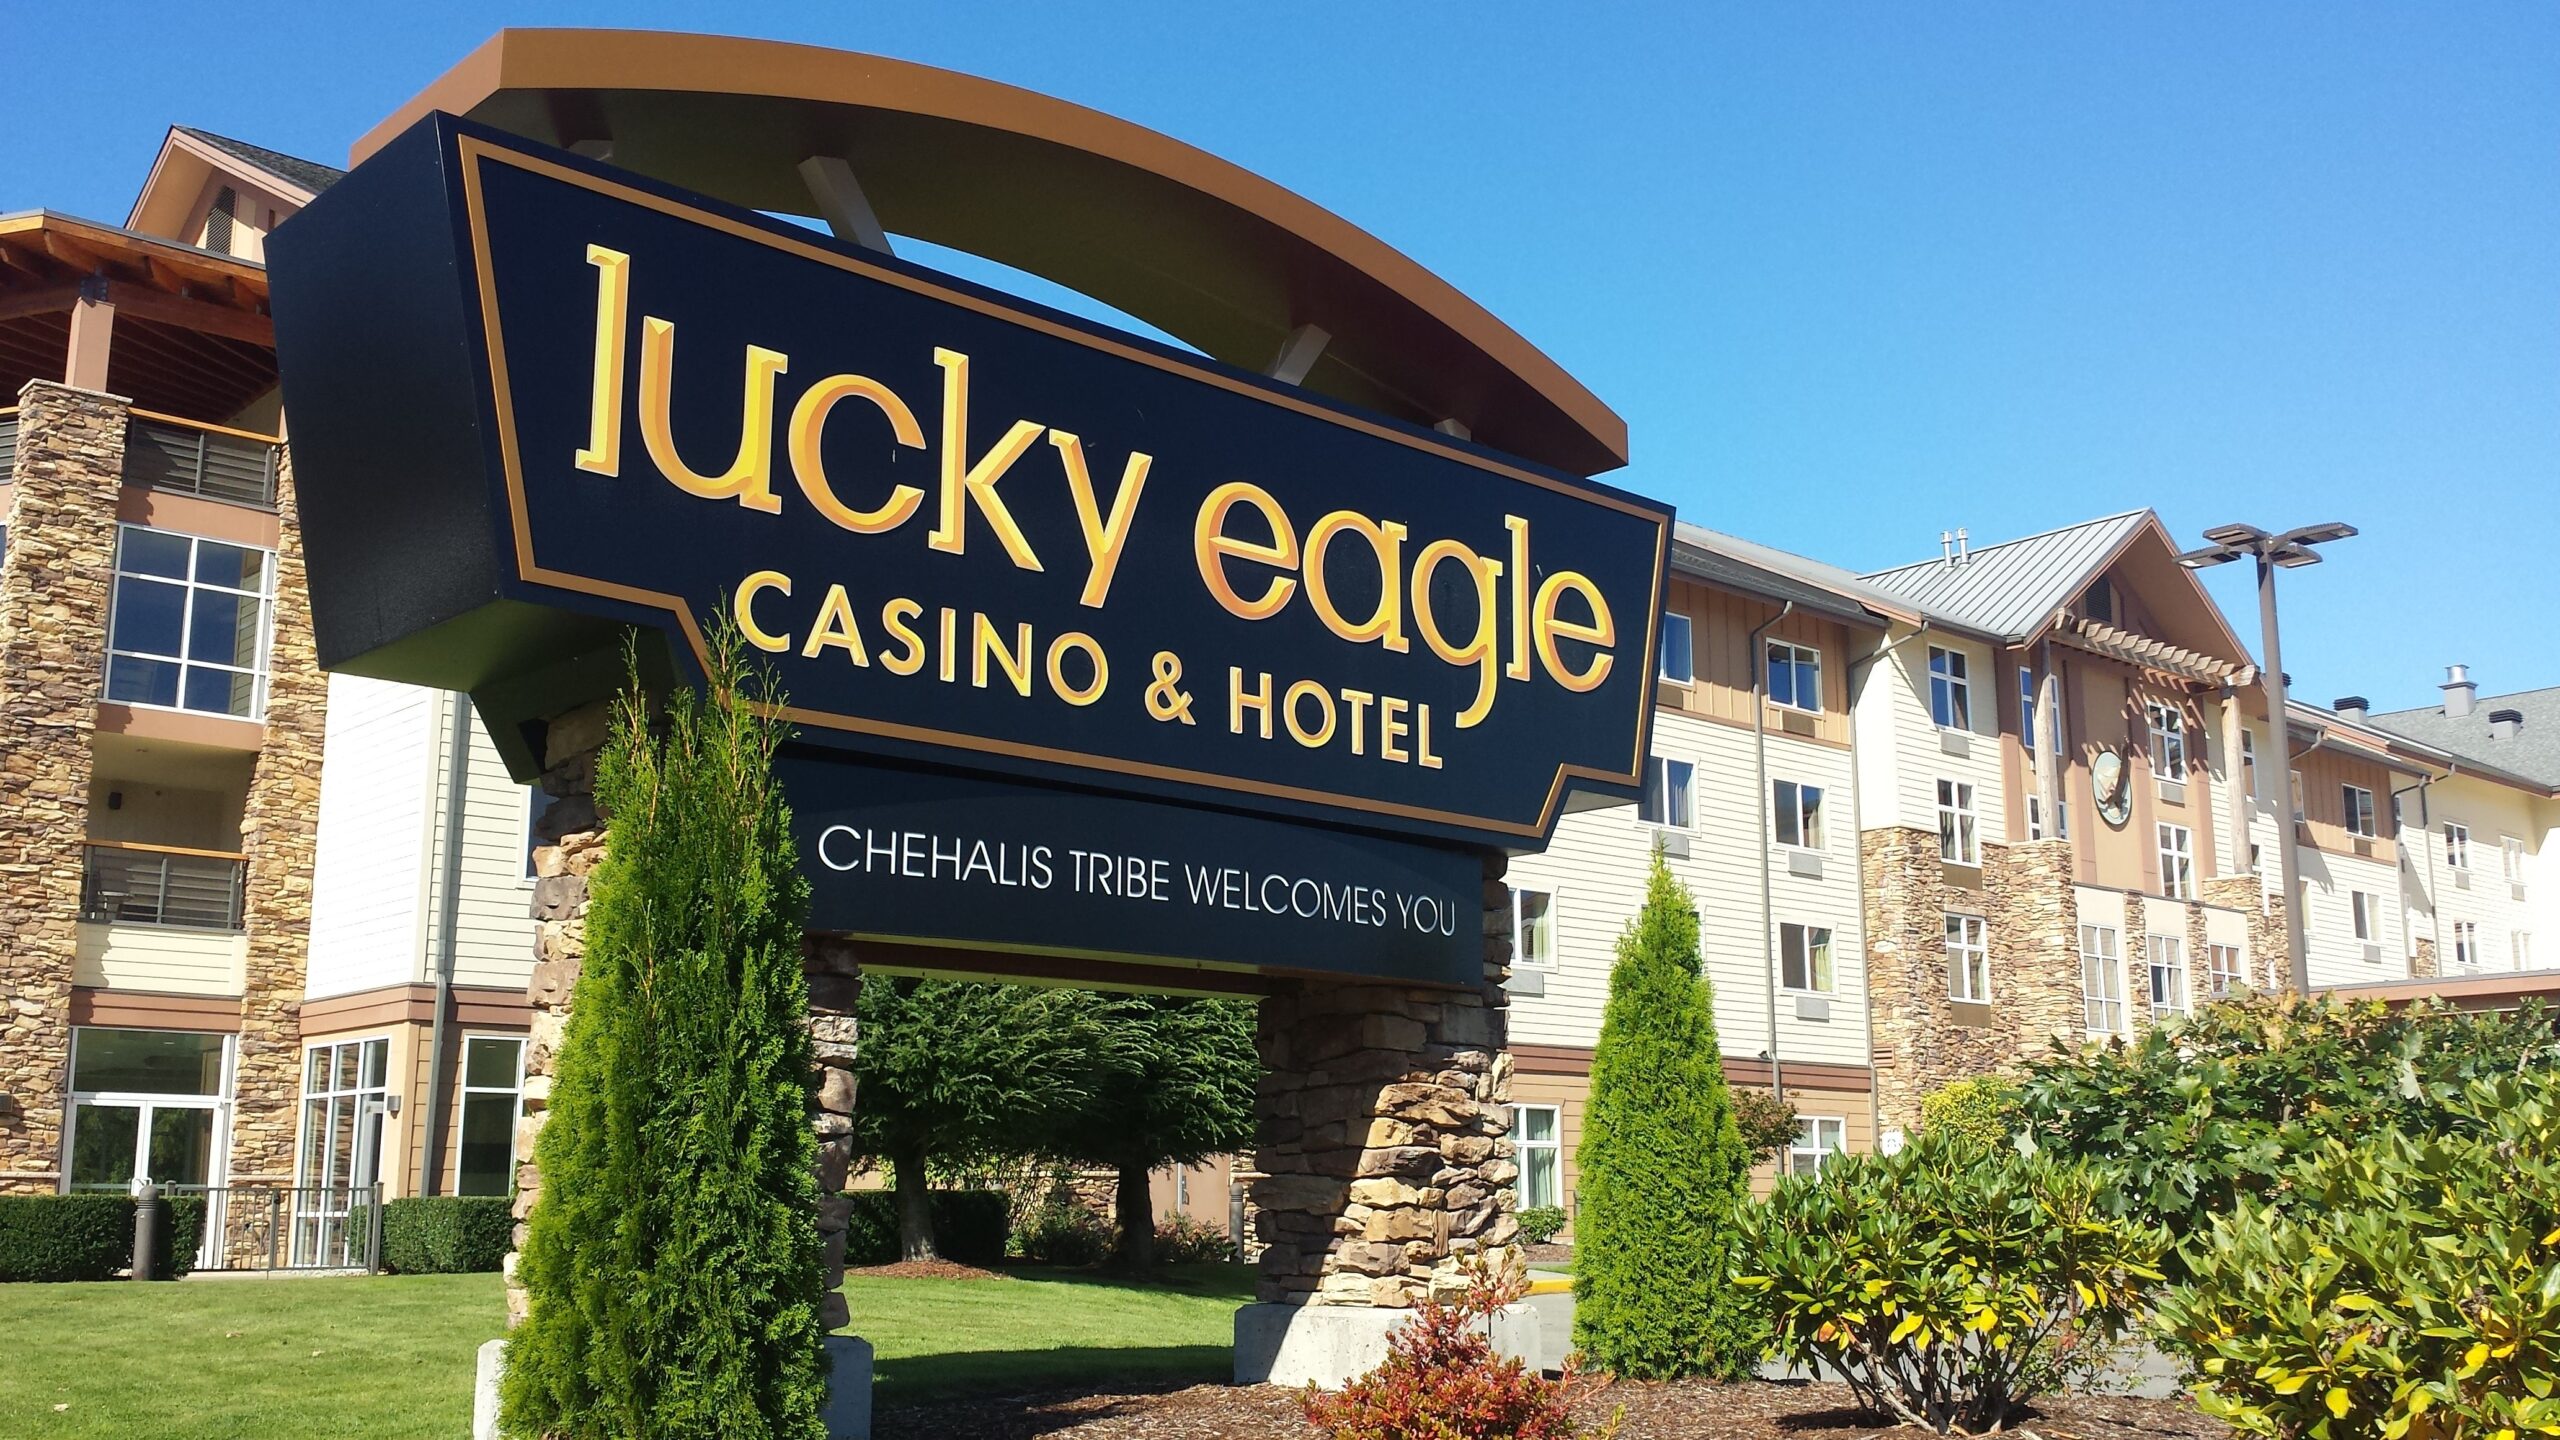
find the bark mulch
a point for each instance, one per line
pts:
(1681, 1410)
(928, 1270)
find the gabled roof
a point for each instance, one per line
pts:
(309, 176)
(1747, 565)
(2012, 588)
(2533, 752)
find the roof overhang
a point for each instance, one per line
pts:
(178, 176)
(1211, 254)
(191, 337)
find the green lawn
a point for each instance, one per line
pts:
(378, 1358)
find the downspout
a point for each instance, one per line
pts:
(1760, 761)
(2427, 848)
(457, 775)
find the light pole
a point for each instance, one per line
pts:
(2288, 551)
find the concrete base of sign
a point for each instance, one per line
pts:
(1329, 1345)
(484, 1390)
(848, 1412)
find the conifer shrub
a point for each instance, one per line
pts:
(1442, 1380)
(1662, 1166)
(1951, 1283)
(1983, 1110)
(672, 1259)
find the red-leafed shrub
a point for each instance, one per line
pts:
(1443, 1381)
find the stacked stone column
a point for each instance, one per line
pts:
(280, 833)
(835, 997)
(1386, 1155)
(54, 593)
(2269, 962)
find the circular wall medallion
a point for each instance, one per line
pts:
(2107, 784)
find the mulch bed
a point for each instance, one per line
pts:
(1683, 1410)
(928, 1270)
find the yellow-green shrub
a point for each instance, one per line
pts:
(1983, 1110)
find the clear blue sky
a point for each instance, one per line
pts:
(1854, 273)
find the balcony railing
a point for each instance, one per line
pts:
(123, 883)
(187, 457)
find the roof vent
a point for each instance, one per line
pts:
(2503, 724)
(1964, 546)
(2351, 707)
(2459, 691)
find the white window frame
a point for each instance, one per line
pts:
(1675, 624)
(463, 1091)
(2102, 1007)
(2364, 912)
(1519, 927)
(2511, 859)
(1818, 1138)
(2177, 861)
(1812, 957)
(2357, 802)
(2457, 846)
(1786, 801)
(2466, 944)
(1798, 656)
(1521, 1145)
(1968, 958)
(2167, 961)
(2223, 972)
(2168, 740)
(1688, 795)
(1950, 689)
(328, 1199)
(1959, 825)
(2027, 714)
(2520, 946)
(265, 598)
(217, 1159)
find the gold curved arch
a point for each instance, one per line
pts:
(1202, 249)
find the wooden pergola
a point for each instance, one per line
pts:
(176, 330)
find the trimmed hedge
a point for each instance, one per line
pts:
(969, 1226)
(90, 1237)
(446, 1234)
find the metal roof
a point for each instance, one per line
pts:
(308, 175)
(2533, 752)
(1758, 569)
(2011, 588)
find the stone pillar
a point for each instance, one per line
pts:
(2265, 965)
(54, 590)
(835, 1000)
(1386, 1160)
(2137, 961)
(2422, 966)
(279, 831)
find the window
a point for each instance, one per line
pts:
(2168, 976)
(1677, 658)
(1670, 796)
(1795, 676)
(1968, 960)
(1533, 926)
(1818, 1138)
(537, 803)
(2027, 712)
(2357, 803)
(344, 1089)
(1950, 689)
(188, 628)
(2168, 740)
(1804, 957)
(1540, 1152)
(145, 1102)
(2522, 941)
(2177, 862)
(2466, 944)
(2361, 904)
(1798, 813)
(2062, 806)
(2102, 979)
(2457, 846)
(1959, 841)
(2221, 970)
(2511, 859)
(484, 1160)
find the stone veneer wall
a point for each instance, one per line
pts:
(279, 831)
(1386, 1155)
(54, 592)
(2422, 966)
(572, 842)
(2268, 960)
(1923, 1039)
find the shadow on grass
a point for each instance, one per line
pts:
(1225, 1282)
(1019, 1373)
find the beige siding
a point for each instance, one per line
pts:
(2335, 955)
(160, 958)
(366, 920)
(1894, 713)
(2440, 896)
(494, 927)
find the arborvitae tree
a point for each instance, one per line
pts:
(1662, 1166)
(953, 1072)
(672, 1261)
(1173, 1084)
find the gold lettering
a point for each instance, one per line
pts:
(749, 478)
(1520, 578)
(1103, 539)
(893, 618)
(1211, 545)
(1600, 630)
(947, 664)
(1422, 738)
(602, 453)
(1386, 542)
(836, 628)
(1058, 648)
(964, 483)
(808, 424)
(1358, 700)
(1015, 663)
(1391, 726)
(1315, 739)
(1485, 650)
(742, 608)
(1239, 700)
